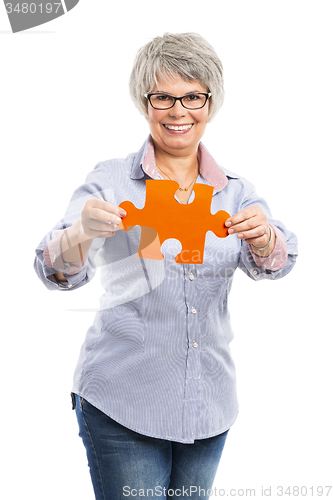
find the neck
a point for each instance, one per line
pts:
(180, 168)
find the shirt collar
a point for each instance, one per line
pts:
(144, 163)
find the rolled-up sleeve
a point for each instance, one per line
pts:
(283, 257)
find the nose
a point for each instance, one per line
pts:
(177, 111)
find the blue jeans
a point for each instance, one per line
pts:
(125, 464)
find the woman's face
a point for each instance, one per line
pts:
(177, 142)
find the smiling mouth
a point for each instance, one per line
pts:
(178, 127)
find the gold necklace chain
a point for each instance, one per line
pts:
(180, 188)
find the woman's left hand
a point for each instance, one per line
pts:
(251, 224)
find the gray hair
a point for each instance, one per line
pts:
(188, 55)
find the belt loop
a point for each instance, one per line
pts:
(73, 401)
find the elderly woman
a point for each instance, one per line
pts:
(154, 388)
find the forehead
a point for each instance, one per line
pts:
(177, 85)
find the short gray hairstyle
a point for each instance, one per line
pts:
(188, 55)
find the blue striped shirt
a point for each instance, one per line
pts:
(156, 358)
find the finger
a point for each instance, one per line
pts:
(107, 207)
(257, 232)
(104, 216)
(247, 225)
(245, 214)
(258, 242)
(101, 227)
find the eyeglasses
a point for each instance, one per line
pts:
(162, 100)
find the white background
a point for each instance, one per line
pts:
(65, 106)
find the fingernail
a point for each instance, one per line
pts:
(118, 220)
(122, 212)
(228, 223)
(230, 231)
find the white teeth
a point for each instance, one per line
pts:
(176, 127)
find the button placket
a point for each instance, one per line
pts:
(192, 379)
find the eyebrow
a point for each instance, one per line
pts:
(187, 93)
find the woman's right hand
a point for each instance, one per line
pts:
(100, 219)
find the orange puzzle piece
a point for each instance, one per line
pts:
(163, 217)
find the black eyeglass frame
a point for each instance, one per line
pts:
(206, 94)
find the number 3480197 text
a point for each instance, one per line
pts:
(33, 8)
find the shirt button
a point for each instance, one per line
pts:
(255, 271)
(194, 344)
(70, 285)
(193, 310)
(191, 276)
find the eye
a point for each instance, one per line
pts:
(194, 97)
(161, 98)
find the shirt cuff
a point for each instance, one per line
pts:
(53, 256)
(278, 258)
